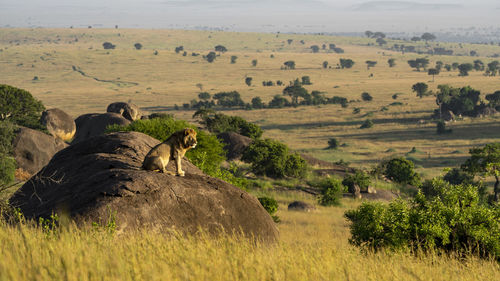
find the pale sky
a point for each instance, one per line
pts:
(252, 15)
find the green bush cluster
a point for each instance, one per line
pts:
(219, 123)
(19, 107)
(271, 206)
(331, 191)
(272, 158)
(359, 178)
(453, 220)
(399, 170)
(7, 163)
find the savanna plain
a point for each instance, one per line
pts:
(70, 69)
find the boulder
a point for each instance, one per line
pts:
(371, 190)
(355, 190)
(33, 149)
(235, 144)
(93, 179)
(59, 123)
(94, 124)
(128, 110)
(300, 206)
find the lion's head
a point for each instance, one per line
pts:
(190, 138)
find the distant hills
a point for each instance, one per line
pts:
(403, 6)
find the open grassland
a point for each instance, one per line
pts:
(312, 246)
(77, 75)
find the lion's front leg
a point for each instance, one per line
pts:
(178, 159)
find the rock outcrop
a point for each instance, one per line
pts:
(94, 124)
(234, 143)
(33, 149)
(59, 123)
(129, 111)
(92, 179)
(300, 206)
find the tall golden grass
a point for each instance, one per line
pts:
(312, 246)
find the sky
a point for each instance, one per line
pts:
(254, 15)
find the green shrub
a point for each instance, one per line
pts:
(454, 221)
(19, 107)
(400, 170)
(208, 154)
(367, 124)
(333, 143)
(359, 178)
(271, 206)
(7, 169)
(220, 123)
(331, 192)
(6, 137)
(271, 158)
(458, 176)
(366, 96)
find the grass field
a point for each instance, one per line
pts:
(312, 246)
(77, 75)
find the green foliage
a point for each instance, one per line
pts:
(400, 170)
(420, 88)
(271, 158)
(464, 69)
(271, 206)
(419, 63)
(461, 101)
(366, 96)
(228, 99)
(204, 96)
(494, 100)
(458, 176)
(19, 107)
(452, 221)
(359, 178)
(7, 169)
(391, 62)
(219, 123)
(289, 64)
(346, 63)
(208, 154)
(306, 80)
(233, 59)
(333, 143)
(296, 91)
(485, 161)
(257, 103)
(6, 137)
(279, 102)
(331, 191)
(368, 123)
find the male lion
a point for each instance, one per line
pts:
(173, 148)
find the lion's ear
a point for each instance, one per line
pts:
(186, 131)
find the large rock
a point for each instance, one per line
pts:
(95, 178)
(301, 206)
(128, 110)
(33, 149)
(59, 123)
(94, 124)
(234, 143)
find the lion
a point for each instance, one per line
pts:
(173, 148)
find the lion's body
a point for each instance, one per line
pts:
(174, 148)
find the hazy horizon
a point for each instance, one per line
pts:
(257, 15)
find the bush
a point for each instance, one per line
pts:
(359, 178)
(366, 96)
(271, 206)
(19, 107)
(333, 143)
(220, 123)
(454, 221)
(367, 124)
(6, 137)
(458, 176)
(271, 158)
(401, 170)
(331, 192)
(7, 169)
(208, 154)
(108, 46)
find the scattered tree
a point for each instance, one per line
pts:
(346, 63)
(220, 49)
(233, 59)
(369, 34)
(478, 65)
(366, 96)
(254, 63)
(204, 96)
(370, 63)
(420, 88)
(248, 81)
(138, 46)
(433, 72)
(108, 46)
(306, 80)
(486, 161)
(289, 64)
(257, 103)
(333, 143)
(428, 37)
(19, 107)
(210, 57)
(325, 64)
(179, 49)
(391, 62)
(464, 69)
(315, 48)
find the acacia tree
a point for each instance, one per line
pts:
(391, 62)
(346, 63)
(289, 64)
(248, 81)
(486, 161)
(433, 72)
(19, 107)
(420, 88)
(370, 63)
(138, 46)
(428, 36)
(220, 49)
(464, 69)
(295, 91)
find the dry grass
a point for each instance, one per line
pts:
(312, 246)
